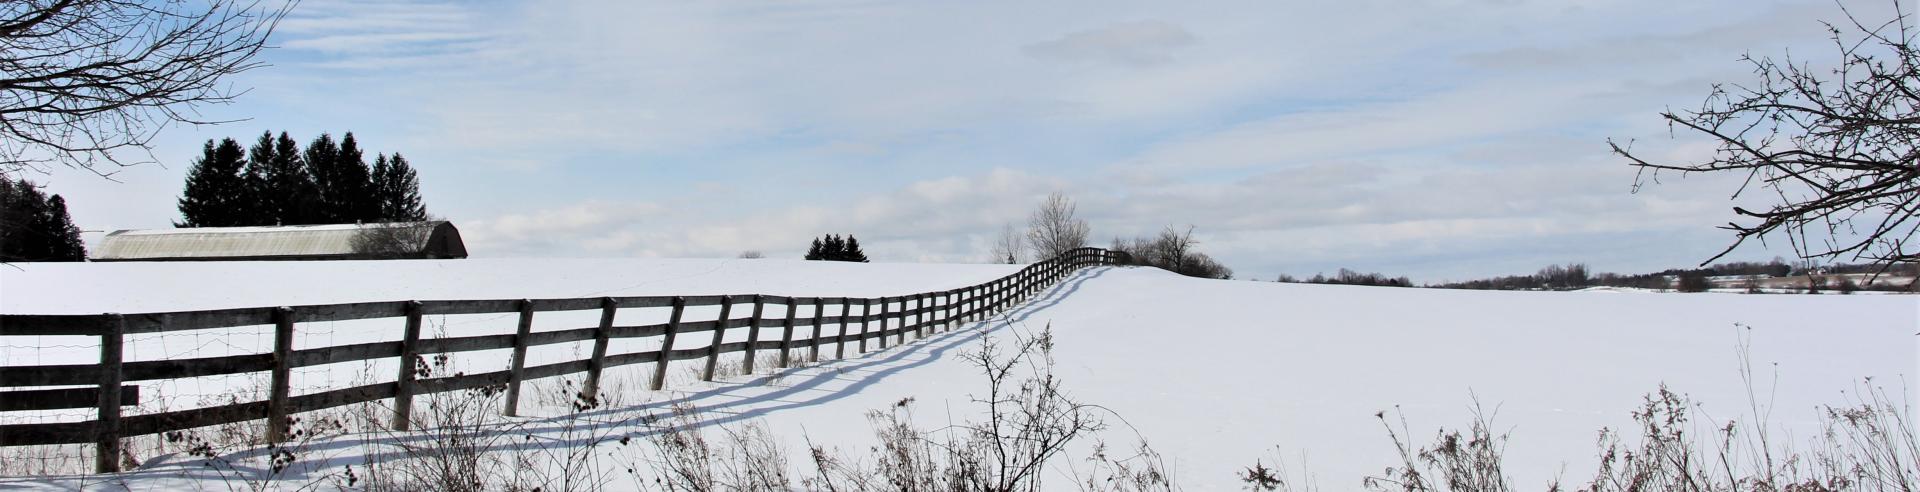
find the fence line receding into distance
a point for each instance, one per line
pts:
(104, 385)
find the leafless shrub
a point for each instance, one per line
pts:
(1029, 422)
(1143, 471)
(1276, 478)
(1454, 462)
(756, 461)
(1867, 445)
(751, 255)
(452, 448)
(684, 456)
(684, 459)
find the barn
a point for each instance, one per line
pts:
(381, 241)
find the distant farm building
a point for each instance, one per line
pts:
(399, 240)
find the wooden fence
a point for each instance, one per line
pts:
(105, 388)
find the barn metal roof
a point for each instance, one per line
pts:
(302, 241)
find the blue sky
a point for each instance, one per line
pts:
(1435, 139)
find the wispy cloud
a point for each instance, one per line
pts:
(1442, 138)
(1133, 43)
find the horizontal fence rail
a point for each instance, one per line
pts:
(105, 385)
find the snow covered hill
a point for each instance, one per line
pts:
(1213, 374)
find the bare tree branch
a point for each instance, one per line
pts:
(81, 81)
(1838, 146)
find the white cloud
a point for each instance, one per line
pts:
(1138, 43)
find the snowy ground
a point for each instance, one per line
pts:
(1215, 374)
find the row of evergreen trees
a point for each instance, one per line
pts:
(275, 182)
(832, 248)
(36, 227)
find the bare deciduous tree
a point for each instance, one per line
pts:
(1173, 247)
(1053, 229)
(751, 254)
(82, 79)
(1009, 247)
(1838, 145)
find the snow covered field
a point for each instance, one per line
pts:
(1214, 374)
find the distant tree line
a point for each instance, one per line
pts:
(1553, 277)
(832, 248)
(1172, 250)
(276, 182)
(1350, 277)
(1574, 276)
(35, 226)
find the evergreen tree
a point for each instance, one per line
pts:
(814, 252)
(64, 236)
(276, 182)
(353, 197)
(832, 247)
(322, 157)
(853, 252)
(293, 196)
(34, 227)
(255, 180)
(216, 189)
(397, 189)
(21, 206)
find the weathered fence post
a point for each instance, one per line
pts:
(666, 343)
(277, 408)
(1040, 277)
(976, 298)
(753, 332)
(943, 307)
(590, 391)
(900, 335)
(920, 316)
(786, 338)
(719, 335)
(813, 344)
(909, 317)
(1014, 285)
(967, 298)
(840, 343)
(1045, 276)
(409, 369)
(998, 296)
(106, 431)
(519, 371)
(866, 314)
(945, 321)
(1021, 282)
(882, 334)
(953, 308)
